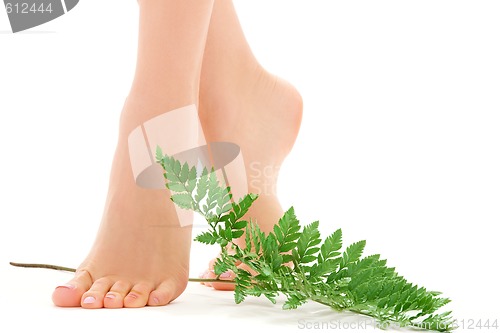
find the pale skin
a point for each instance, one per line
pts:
(189, 52)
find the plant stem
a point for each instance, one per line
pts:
(59, 268)
(68, 269)
(211, 280)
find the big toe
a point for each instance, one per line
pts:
(226, 276)
(70, 294)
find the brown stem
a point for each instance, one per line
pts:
(59, 268)
(68, 269)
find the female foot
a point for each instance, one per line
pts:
(263, 118)
(242, 103)
(141, 254)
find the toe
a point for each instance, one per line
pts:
(229, 276)
(114, 298)
(70, 294)
(165, 293)
(246, 268)
(202, 276)
(94, 298)
(208, 275)
(138, 295)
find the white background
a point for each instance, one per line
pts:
(400, 145)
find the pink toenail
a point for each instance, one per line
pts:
(133, 296)
(156, 300)
(89, 300)
(110, 296)
(225, 275)
(67, 286)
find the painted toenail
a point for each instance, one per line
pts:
(225, 275)
(156, 300)
(89, 300)
(67, 286)
(110, 296)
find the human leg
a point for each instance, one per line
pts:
(141, 254)
(241, 102)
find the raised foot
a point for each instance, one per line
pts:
(264, 121)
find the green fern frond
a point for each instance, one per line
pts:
(320, 271)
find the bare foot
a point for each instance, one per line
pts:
(263, 116)
(141, 254)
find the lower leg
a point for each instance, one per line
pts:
(242, 103)
(172, 36)
(141, 254)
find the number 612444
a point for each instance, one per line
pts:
(25, 8)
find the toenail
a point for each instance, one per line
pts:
(89, 300)
(67, 286)
(225, 275)
(134, 296)
(156, 300)
(110, 296)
